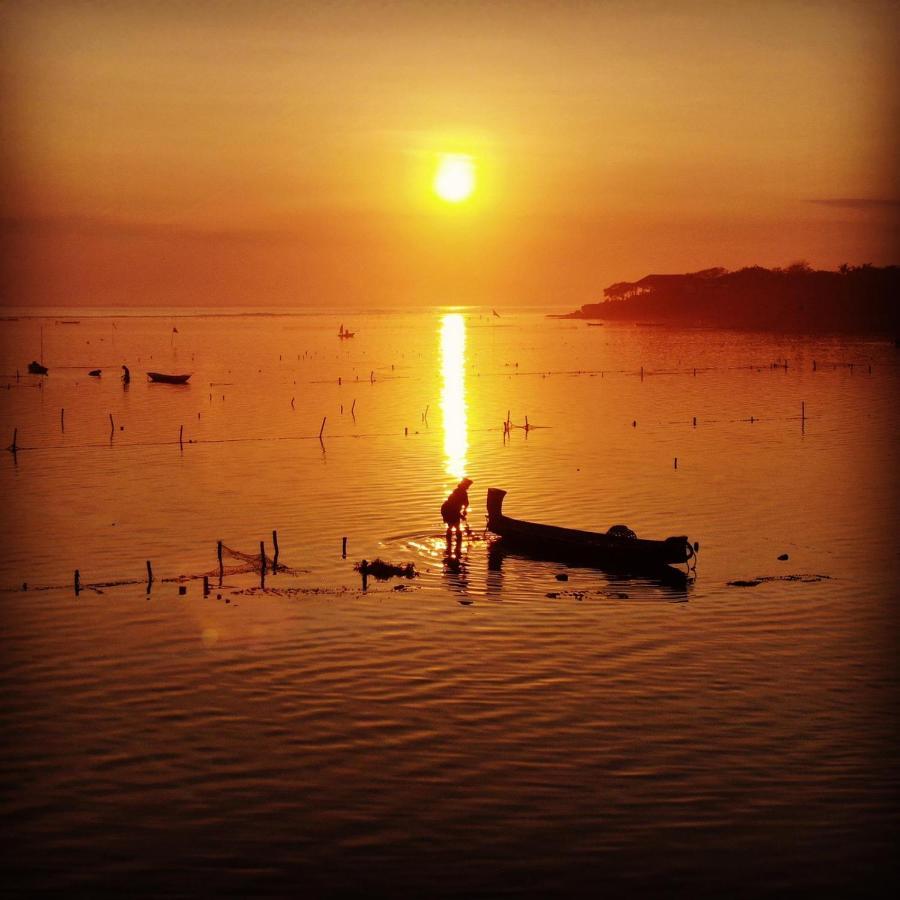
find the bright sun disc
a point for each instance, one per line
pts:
(455, 178)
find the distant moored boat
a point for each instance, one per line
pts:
(35, 368)
(168, 379)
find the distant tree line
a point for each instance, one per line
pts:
(795, 298)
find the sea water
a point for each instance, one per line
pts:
(490, 726)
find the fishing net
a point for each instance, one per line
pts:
(240, 563)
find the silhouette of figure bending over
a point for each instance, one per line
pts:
(455, 508)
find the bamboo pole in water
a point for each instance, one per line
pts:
(262, 564)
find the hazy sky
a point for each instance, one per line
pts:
(281, 153)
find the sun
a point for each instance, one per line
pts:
(454, 180)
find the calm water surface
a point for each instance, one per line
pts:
(484, 730)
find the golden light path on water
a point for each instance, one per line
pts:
(453, 393)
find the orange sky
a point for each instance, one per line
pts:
(281, 153)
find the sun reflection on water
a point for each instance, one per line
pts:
(453, 393)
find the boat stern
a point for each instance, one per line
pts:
(677, 549)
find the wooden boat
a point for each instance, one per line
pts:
(617, 548)
(343, 333)
(35, 368)
(168, 379)
(95, 373)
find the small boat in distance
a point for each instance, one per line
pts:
(343, 333)
(617, 548)
(35, 368)
(168, 379)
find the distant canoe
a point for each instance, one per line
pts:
(618, 547)
(35, 368)
(95, 373)
(168, 379)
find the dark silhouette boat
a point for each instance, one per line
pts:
(619, 548)
(168, 379)
(35, 368)
(344, 333)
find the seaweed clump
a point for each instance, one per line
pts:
(382, 570)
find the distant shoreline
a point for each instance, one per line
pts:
(798, 299)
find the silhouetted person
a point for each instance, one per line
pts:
(455, 508)
(126, 375)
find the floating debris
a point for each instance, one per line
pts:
(292, 591)
(753, 582)
(583, 595)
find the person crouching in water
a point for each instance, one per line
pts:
(455, 508)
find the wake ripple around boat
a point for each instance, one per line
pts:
(483, 570)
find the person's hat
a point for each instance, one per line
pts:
(466, 482)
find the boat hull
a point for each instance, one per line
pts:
(167, 379)
(584, 547)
